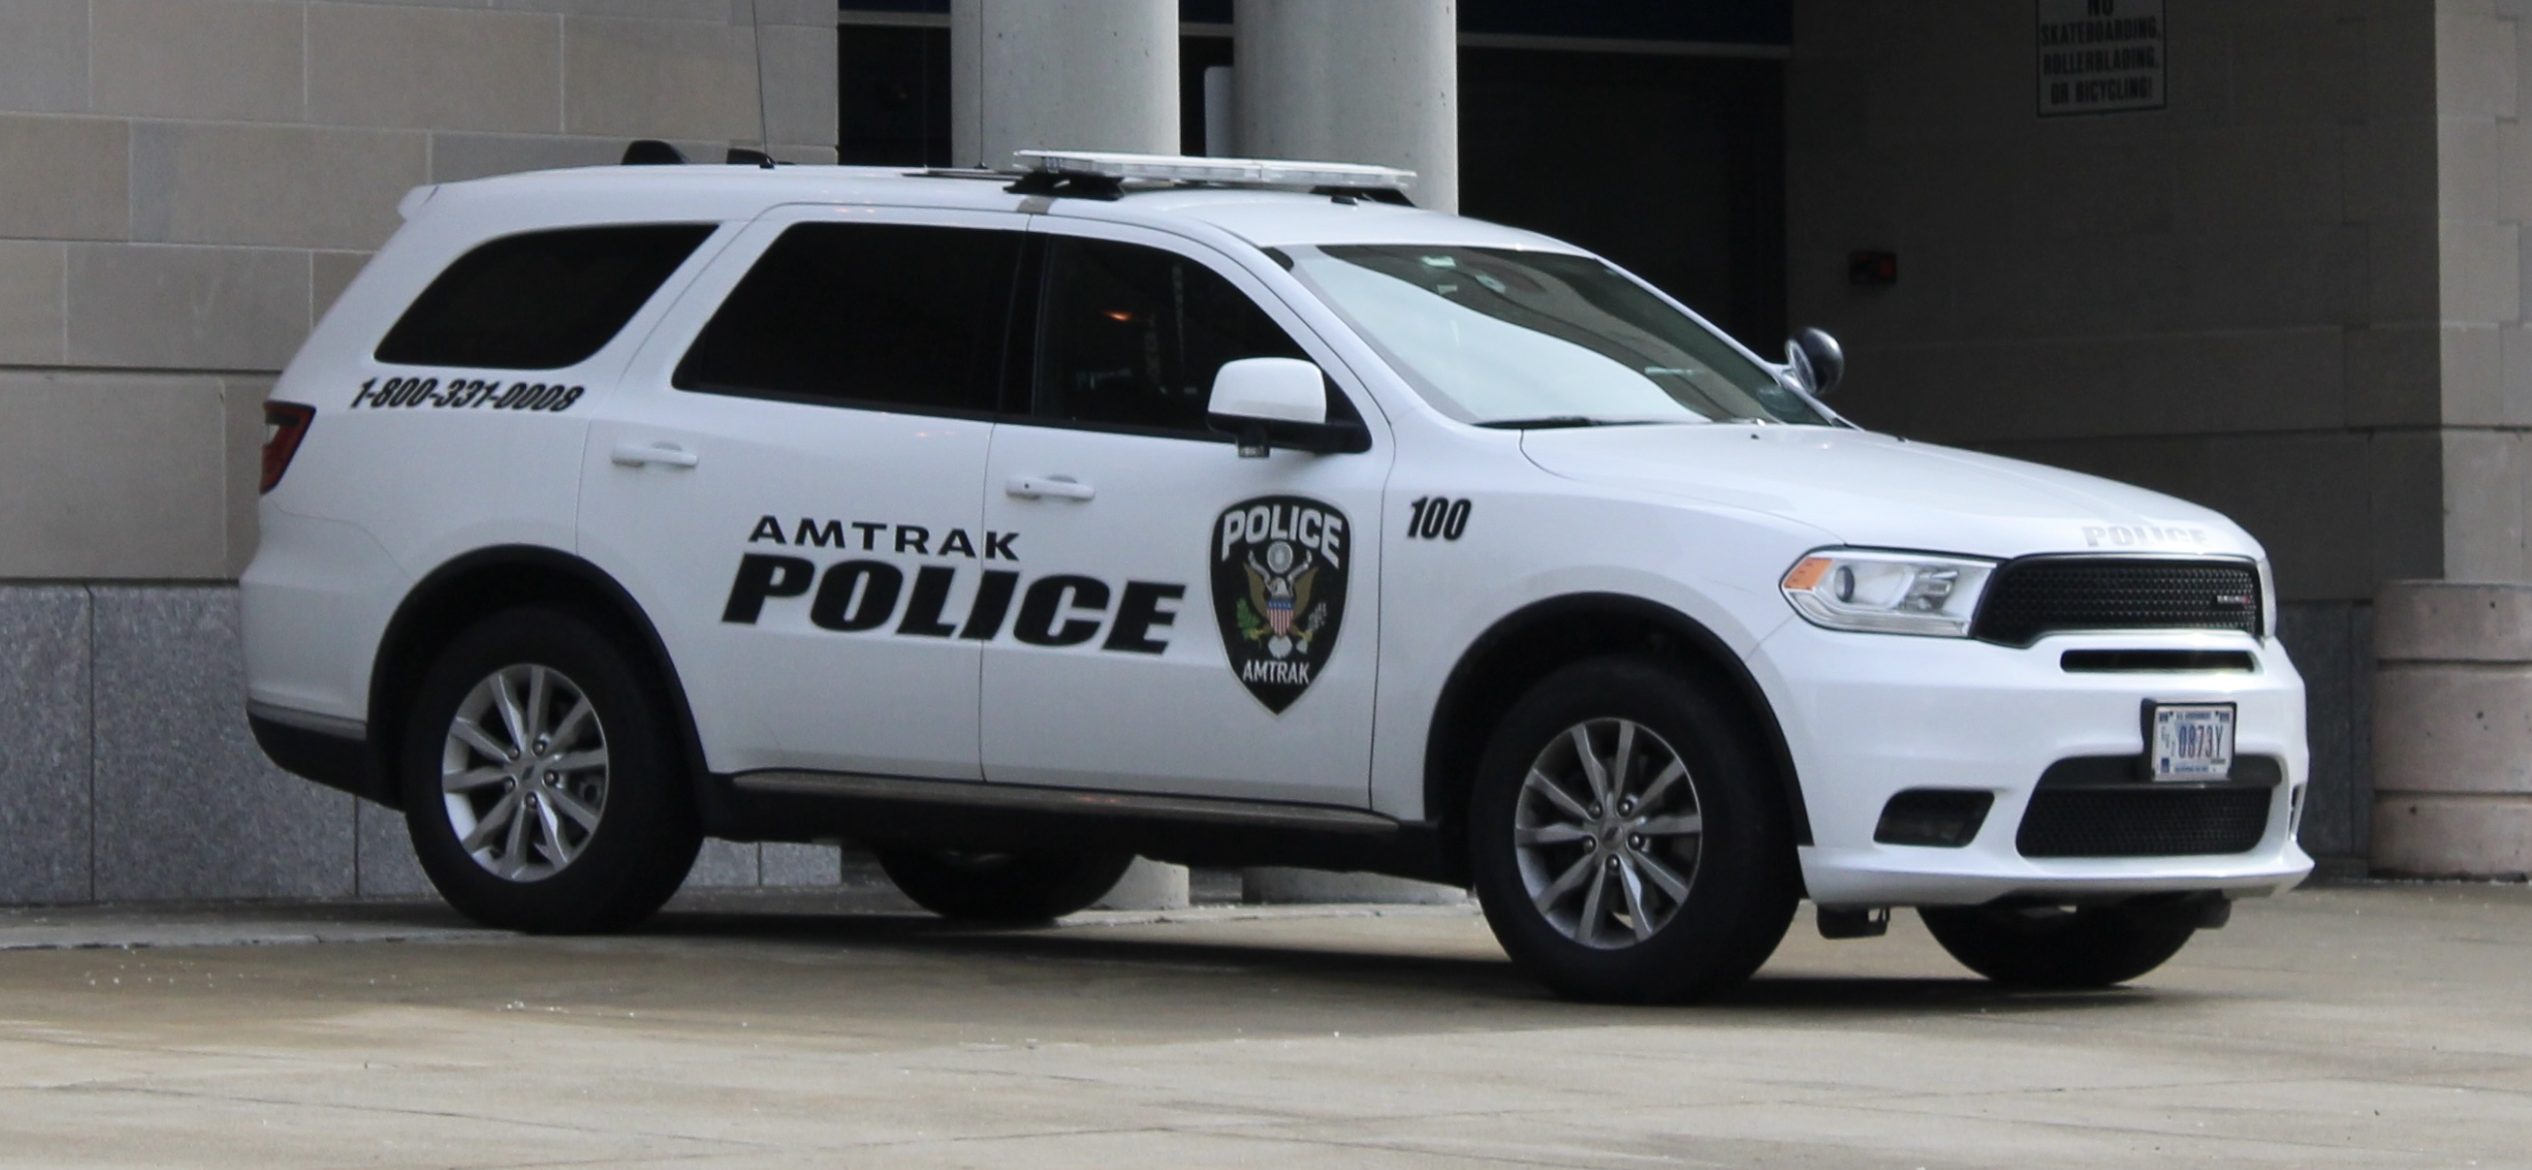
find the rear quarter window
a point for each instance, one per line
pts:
(539, 300)
(892, 316)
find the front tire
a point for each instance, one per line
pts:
(1627, 839)
(543, 788)
(2053, 947)
(1002, 887)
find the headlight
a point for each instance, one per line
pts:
(1887, 592)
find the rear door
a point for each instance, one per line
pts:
(790, 483)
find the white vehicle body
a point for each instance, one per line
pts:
(659, 492)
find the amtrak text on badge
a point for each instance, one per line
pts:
(1279, 569)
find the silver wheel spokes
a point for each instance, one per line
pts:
(1607, 832)
(524, 772)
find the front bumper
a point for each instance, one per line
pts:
(1867, 716)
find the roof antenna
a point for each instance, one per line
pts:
(764, 133)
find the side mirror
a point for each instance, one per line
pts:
(1278, 402)
(1819, 362)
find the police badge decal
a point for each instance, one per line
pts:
(1279, 566)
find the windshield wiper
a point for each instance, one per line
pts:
(1556, 422)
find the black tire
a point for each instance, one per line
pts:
(979, 886)
(644, 838)
(1738, 873)
(2052, 946)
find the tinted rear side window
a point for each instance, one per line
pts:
(541, 300)
(888, 315)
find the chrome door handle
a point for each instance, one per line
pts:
(635, 455)
(1061, 487)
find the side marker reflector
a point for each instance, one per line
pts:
(285, 423)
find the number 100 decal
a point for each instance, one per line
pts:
(1437, 518)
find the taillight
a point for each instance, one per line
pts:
(285, 423)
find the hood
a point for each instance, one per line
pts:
(1877, 491)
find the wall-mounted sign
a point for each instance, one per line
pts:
(2100, 56)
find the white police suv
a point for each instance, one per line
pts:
(1225, 512)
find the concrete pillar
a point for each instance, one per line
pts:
(2453, 730)
(1349, 81)
(1148, 885)
(1063, 74)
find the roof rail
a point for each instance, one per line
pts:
(1103, 174)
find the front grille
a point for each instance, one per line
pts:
(2140, 820)
(2037, 596)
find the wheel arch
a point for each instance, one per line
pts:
(1544, 636)
(486, 581)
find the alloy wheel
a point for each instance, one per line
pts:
(523, 772)
(1607, 831)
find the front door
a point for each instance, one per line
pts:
(793, 490)
(1190, 621)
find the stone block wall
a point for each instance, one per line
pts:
(185, 185)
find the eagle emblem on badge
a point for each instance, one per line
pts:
(1279, 567)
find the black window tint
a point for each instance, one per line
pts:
(879, 314)
(539, 301)
(1133, 336)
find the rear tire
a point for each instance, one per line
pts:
(2054, 947)
(978, 886)
(1627, 839)
(543, 787)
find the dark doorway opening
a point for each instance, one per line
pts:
(892, 95)
(1195, 55)
(1671, 166)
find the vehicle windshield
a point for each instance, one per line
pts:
(1508, 338)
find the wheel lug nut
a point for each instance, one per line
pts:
(1590, 843)
(1635, 842)
(1613, 865)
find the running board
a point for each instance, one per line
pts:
(1067, 801)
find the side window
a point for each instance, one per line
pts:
(540, 300)
(1132, 336)
(889, 315)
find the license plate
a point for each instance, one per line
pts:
(2190, 741)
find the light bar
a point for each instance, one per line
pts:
(1263, 172)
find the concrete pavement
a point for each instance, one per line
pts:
(2377, 1026)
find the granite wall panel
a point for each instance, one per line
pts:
(723, 863)
(387, 865)
(2332, 647)
(780, 864)
(45, 739)
(186, 805)
(128, 773)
